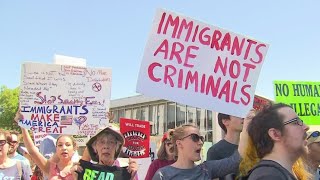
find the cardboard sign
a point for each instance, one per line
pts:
(201, 65)
(63, 99)
(260, 102)
(304, 97)
(137, 137)
(38, 137)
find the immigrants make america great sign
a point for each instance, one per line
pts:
(198, 64)
(63, 99)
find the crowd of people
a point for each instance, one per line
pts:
(273, 143)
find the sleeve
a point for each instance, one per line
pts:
(26, 170)
(223, 167)
(151, 171)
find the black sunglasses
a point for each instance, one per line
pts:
(296, 120)
(194, 137)
(314, 134)
(3, 142)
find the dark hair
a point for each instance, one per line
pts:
(266, 119)
(222, 116)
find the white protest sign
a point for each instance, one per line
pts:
(201, 65)
(81, 140)
(64, 99)
(38, 137)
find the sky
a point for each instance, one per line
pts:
(114, 34)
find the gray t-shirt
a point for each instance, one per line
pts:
(206, 170)
(221, 150)
(274, 171)
(12, 172)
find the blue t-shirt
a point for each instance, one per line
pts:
(13, 172)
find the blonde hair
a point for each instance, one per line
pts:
(162, 153)
(177, 134)
(250, 159)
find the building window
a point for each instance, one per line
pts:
(209, 126)
(136, 114)
(191, 115)
(153, 118)
(161, 115)
(128, 113)
(171, 115)
(181, 115)
(121, 114)
(144, 113)
(116, 116)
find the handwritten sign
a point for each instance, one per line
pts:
(63, 99)
(304, 97)
(201, 65)
(38, 138)
(137, 137)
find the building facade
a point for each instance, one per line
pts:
(164, 115)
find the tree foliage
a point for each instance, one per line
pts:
(9, 102)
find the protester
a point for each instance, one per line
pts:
(279, 137)
(232, 127)
(64, 151)
(10, 168)
(165, 155)
(104, 148)
(37, 174)
(14, 145)
(313, 157)
(187, 146)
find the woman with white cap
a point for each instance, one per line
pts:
(104, 148)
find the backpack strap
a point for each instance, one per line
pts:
(19, 168)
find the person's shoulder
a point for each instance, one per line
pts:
(268, 170)
(163, 173)
(216, 145)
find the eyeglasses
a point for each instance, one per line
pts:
(168, 143)
(194, 137)
(314, 134)
(296, 121)
(3, 142)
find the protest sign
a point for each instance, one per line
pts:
(260, 102)
(38, 138)
(64, 99)
(201, 65)
(302, 96)
(137, 137)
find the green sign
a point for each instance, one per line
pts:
(304, 97)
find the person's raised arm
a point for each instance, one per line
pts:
(37, 157)
(244, 134)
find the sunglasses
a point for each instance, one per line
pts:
(194, 137)
(3, 142)
(314, 134)
(13, 142)
(296, 121)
